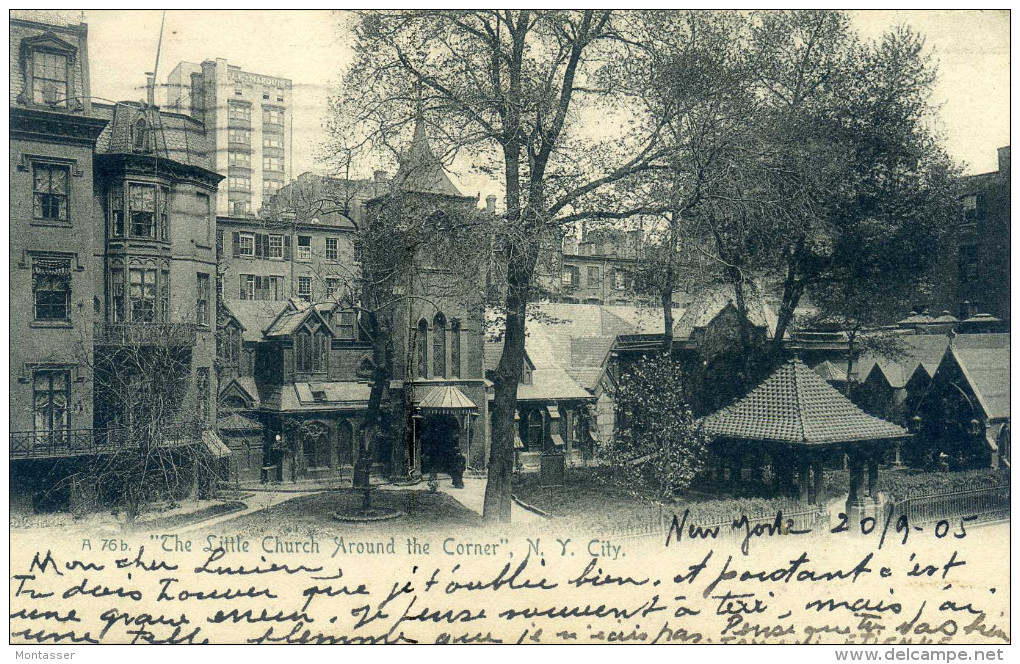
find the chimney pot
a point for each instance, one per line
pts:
(490, 204)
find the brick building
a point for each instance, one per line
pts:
(55, 229)
(113, 268)
(249, 121)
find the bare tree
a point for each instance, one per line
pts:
(514, 91)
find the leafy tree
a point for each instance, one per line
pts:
(515, 91)
(657, 446)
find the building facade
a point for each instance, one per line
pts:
(249, 122)
(55, 229)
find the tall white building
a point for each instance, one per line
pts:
(248, 118)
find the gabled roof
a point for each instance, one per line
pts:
(446, 399)
(493, 350)
(984, 361)
(795, 405)
(293, 317)
(899, 364)
(832, 373)
(711, 303)
(243, 387)
(421, 172)
(237, 422)
(255, 315)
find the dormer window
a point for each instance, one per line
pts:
(140, 135)
(47, 63)
(49, 79)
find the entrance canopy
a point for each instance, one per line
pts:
(796, 406)
(447, 400)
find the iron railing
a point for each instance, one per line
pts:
(109, 440)
(145, 334)
(987, 504)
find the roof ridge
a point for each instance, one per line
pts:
(798, 405)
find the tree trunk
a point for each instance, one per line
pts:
(508, 375)
(850, 338)
(668, 286)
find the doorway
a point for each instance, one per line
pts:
(440, 442)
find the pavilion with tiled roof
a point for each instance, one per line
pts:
(798, 419)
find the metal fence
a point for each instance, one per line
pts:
(145, 334)
(83, 442)
(987, 504)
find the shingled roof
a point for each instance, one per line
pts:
(984, 360)
(795, 405)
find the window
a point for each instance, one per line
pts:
(239, 136)
(238, 90)
(51, 286)
(272, 164)
(439, 346)
(279, 94)
(140, 135)
(332, 287)
(117, 295)
(275, 246)
(272, 116)
(247, 244)
(257, 287)
(594, 275)
(240, 183)
(571, 276)
(310, 351)
(359, 248)
(304, 247)
(967, 264)
(272, 141)
(535, 432)
(970, 203)
(143, 210)
(332, 249)
(347, 326)
(50, 187)
(142, 294)
(240, 208)
(202, 393)
(205, 209)
(304, 288)
(49, 78)
(239, 112)
(51, 400)
(202, 300)
(242, 159)
(455, 348)
(621, 280)
(270, 187)
(117, 212)
(421, 345)
(265, 94)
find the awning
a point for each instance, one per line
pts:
(554, 412)
(447, 400)
(214, 444)
(557, 440)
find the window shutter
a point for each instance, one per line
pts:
(258, 244)
(241, 292)
(286, 246)
(219, 243)
(237, 244)
(265, 245)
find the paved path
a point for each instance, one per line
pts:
(260, 501)
(472, 496)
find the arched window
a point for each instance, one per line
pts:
(534, 441)
(321, 354)
(455, 348)
(345, 443)
(365, 368)
(303, 350)
(139, 136)
(439, 346)
(421, 347)
(315, 445)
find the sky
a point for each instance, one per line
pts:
(311, 48)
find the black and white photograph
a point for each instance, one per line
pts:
(510, 326)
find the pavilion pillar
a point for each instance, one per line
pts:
(854, 502)
(873, 476)
(803, 480)
(819, 474)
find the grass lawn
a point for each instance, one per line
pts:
(422, 511)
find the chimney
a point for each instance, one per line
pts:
(490, 204)
(1004, 162)
(150, 88)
